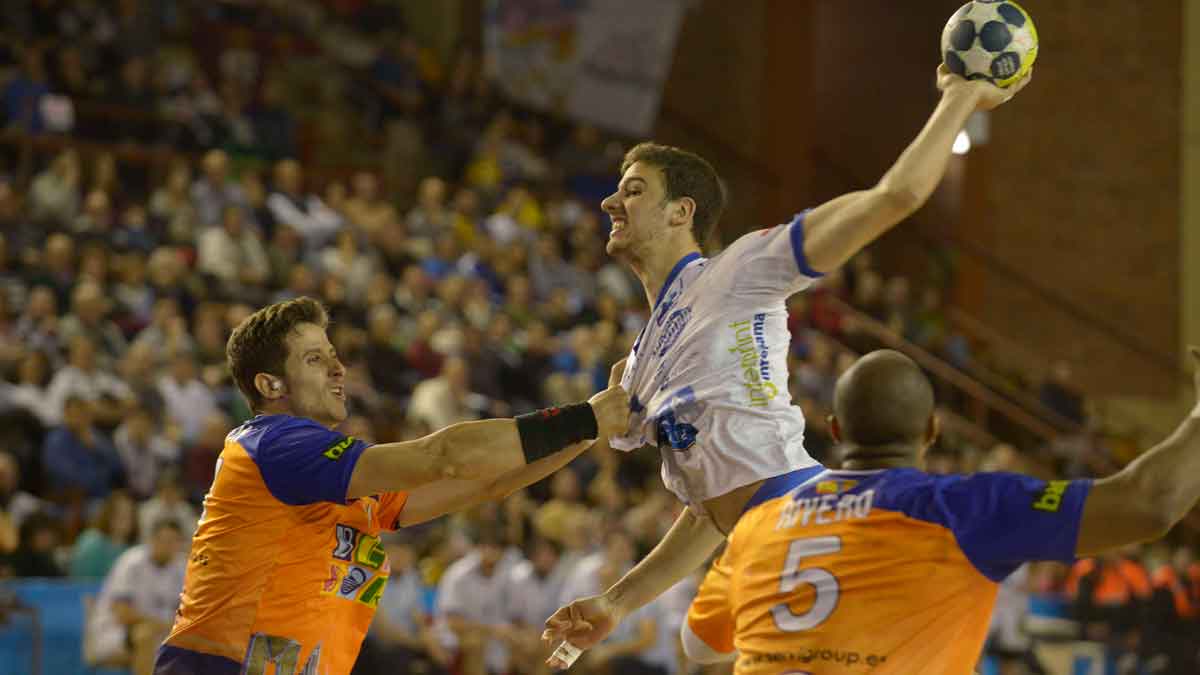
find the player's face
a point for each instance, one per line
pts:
(637, 209)
(314, 376)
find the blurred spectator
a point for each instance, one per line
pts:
(366, 208)
(79, 460)
(167, 503)
(1174, 613)
(54, 193)
(89, 318)
(563, 510)
(137, 603)
(1111, 596)
(24, 94)
(233, 254)
(111, 534)
(446, 399)
(399, 638)
(145, 453)
(274, 127)
(56, 267)
(39, 537)
(189, 402)
(429, 218)
(347, 260)
(473, 607)
(1060, 394)
(200, 456)
(534, 585)
(16, 505)
(385, 361)
(172, 206)
(305, 213)
(215, 190)
(82, 378)
(897, 306)
(30, 393)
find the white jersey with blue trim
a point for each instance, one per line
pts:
(708, 375)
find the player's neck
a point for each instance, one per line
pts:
(862, 458)
(653, 266)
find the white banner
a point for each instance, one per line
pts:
(600, 61)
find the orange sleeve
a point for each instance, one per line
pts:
(391, 504)
(710, 616)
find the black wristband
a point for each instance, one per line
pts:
(545, 432)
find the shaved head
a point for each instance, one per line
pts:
(883, 399)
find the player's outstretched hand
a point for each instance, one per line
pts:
(988, 95)
(611, 408)
(584, 623)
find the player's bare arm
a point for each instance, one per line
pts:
(838, 229)
(441, 497)
(483, 450)
(686, 546)
(1145, 499)
(436, 499)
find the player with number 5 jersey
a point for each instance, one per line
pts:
(882, 568)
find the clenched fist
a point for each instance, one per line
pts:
(611, 408)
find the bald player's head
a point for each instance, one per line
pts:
(883, 400)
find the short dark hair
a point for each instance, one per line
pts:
(883, 398)
(685, 174)
(259, 343)
(166, 524)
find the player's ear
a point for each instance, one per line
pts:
(682, 211)
(269, 386)
(933, 429)
(835, 429)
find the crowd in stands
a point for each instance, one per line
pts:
(459, 249)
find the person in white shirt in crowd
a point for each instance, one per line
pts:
(473, 604)
(137, 603)
(167, 503)
(233, 252)
(30, 393)
(446, 399)
(83, 378)
(215, 190)
(88, 317)
(306, 213)
(189, 402)
(144, 451)
(37, 325)
(535, 584)
(633, 648)
(400, 640)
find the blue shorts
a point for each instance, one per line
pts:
(172, 660)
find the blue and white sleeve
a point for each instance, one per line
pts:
(768, 263)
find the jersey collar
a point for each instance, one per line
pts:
(683, 262)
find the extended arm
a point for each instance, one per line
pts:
(468, 451)
(439, 498)
(836, 230)
(1145, 499)
(686, 546)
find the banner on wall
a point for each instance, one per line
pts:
(598, 61)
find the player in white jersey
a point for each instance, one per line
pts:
(708, 375)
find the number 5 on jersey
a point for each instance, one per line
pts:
(824, 584)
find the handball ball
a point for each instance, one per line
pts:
(991, 40)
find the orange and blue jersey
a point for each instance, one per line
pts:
(284, 573)
(889, 571)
